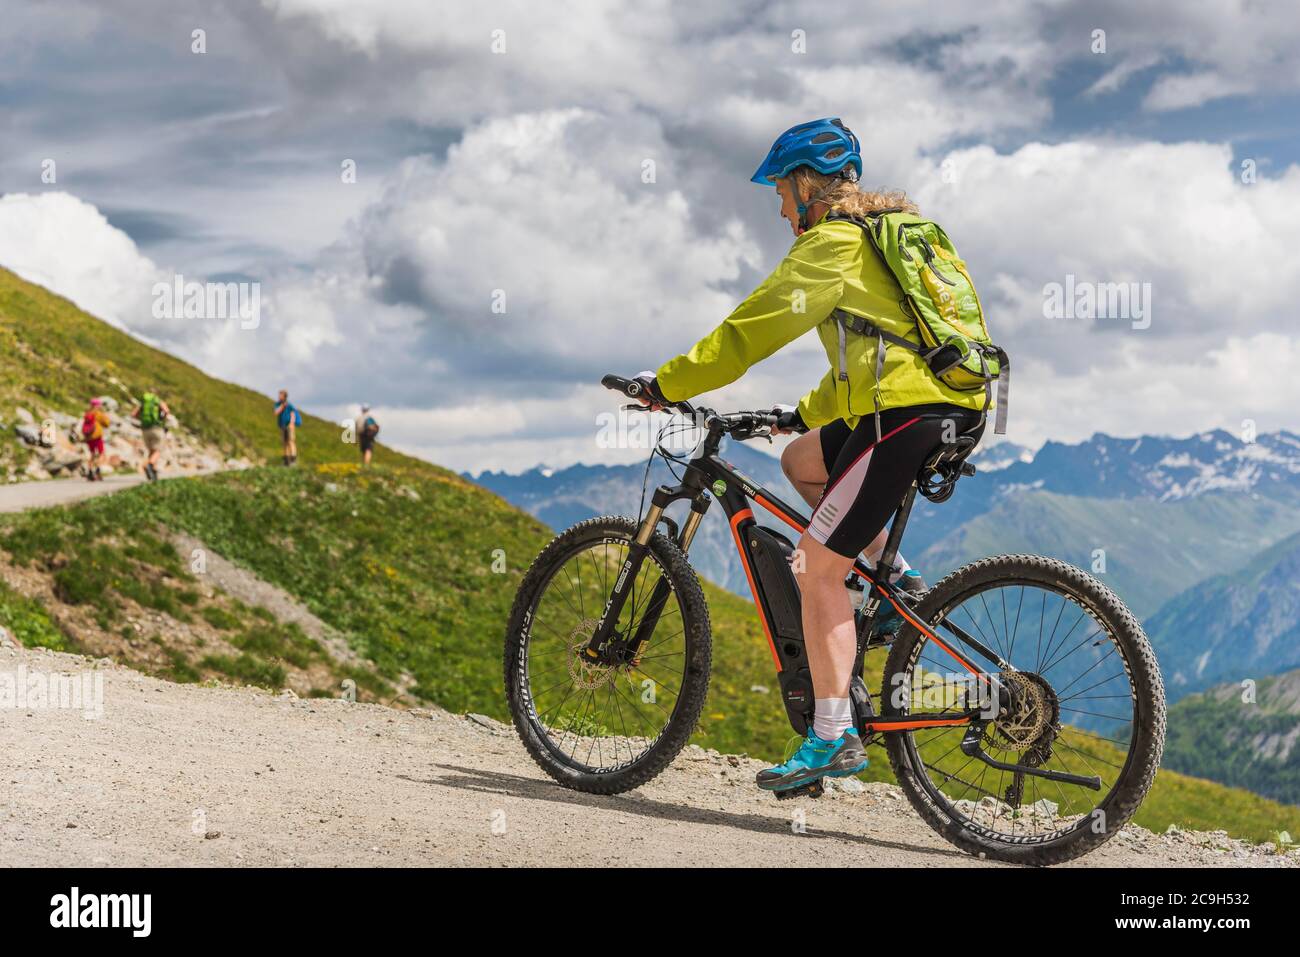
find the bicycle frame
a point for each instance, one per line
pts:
(707, 474)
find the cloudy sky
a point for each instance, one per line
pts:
(501, 151)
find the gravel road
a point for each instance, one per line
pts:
(186, 775)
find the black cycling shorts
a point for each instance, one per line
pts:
(867, 481)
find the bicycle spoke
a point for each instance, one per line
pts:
(1055, 692)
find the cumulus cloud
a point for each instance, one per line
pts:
(538, 247)
(67, 245)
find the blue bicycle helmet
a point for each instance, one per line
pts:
(826, 145)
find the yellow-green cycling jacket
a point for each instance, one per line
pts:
(830, 265)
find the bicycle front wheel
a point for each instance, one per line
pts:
(1086, 699)
(596, 727)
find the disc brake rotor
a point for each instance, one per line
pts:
(587, 675)
(1031, 717)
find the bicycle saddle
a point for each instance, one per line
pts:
(938, 477)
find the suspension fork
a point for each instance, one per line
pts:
(623, 583)
(627, 575)
(663, 590)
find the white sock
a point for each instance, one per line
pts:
(900, 563)
(832, 718)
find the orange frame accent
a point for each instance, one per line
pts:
(749, 576)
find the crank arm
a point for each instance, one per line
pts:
(970, 746)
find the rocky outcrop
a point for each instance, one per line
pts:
(57, 448)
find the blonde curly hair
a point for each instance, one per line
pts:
(843, 195)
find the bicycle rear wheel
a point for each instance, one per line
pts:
(598, 728)
(1088, 700)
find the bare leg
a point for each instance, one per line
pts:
(828, 628)
(803, 466)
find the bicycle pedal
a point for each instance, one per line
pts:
(813, 789)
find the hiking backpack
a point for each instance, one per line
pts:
(150, 411)
(938, 295)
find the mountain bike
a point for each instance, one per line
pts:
(1020, 704)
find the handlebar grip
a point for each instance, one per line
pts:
(633, 389)
(629, 387)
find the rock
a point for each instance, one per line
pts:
(1044, 807)
(484, 721)
(851, 786)
(60, 461)
(29, 434)
(759, 689)
(24, 416)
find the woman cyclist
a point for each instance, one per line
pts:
(852, 465)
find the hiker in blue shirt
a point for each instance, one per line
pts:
(288, 418)
(367, 429)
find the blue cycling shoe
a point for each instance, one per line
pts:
(888, 620)
(817, 759)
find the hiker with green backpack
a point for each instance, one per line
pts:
(152, 413)
(912, 368)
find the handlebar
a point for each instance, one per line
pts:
(739, 425)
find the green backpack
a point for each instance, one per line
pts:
(938, 294)
(150, 411)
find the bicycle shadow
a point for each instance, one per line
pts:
(515, 785)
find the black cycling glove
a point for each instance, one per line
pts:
(789, 420)
(650, 383)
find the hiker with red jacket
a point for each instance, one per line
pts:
(93, 424)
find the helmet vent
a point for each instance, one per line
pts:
(824, 138)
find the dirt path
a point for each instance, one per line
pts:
(281, 781)
(24, 495)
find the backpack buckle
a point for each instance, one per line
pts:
(949, 354)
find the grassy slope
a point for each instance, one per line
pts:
(54, 357)
(1218, 735)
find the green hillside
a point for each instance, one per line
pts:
(53, 357)
(1222, 735)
